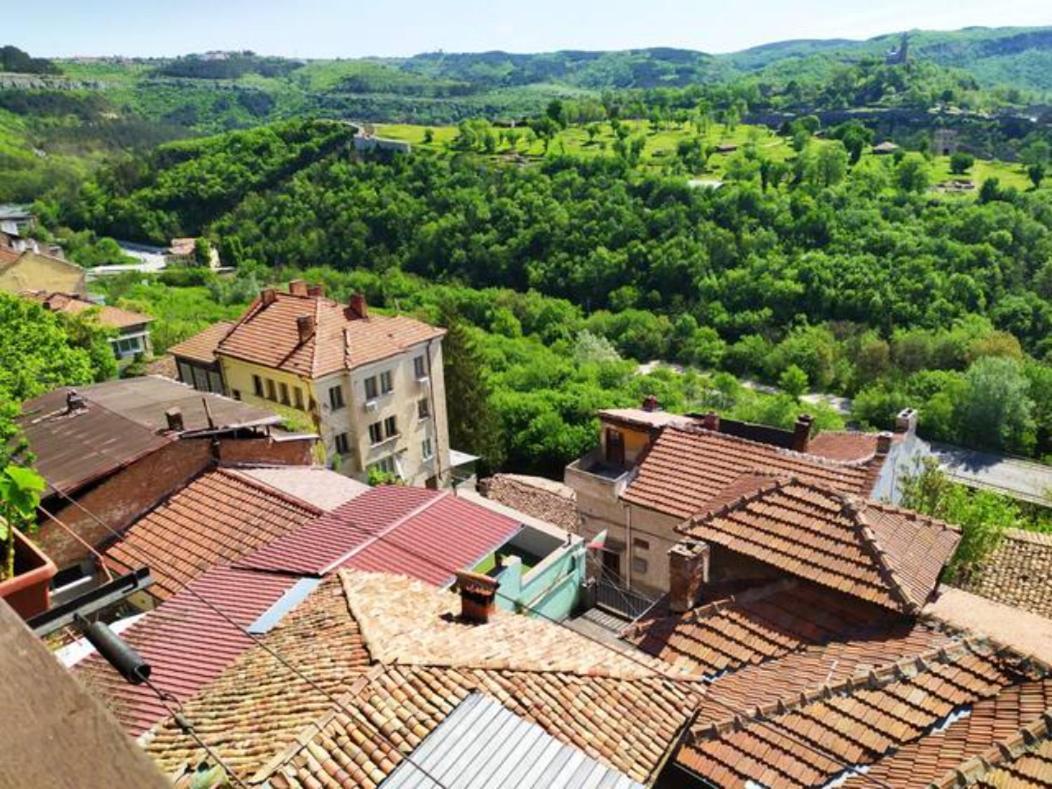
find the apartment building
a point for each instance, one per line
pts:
(371, 384)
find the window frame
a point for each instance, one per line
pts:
(272, 390)
(423, 408)
(257, 385)
(386, 382)
(370, 383)
(284, 390)
(336, 401)
(342, 438)
(297, 397)
(389, 423)
(420, 367)
(378, 436)
(427, 449)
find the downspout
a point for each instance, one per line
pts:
(628, 541)
(434, 417)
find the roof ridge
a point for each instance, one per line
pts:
(871, 543)
(314, 336)
(1023, 740)
(874, 679)
(816, 459)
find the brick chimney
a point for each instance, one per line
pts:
(711, 421)
(358, 307)
(316, 291)
(884, 442)
(906, 421)
(650, 403)
(802, 432)
(174, 417)
(298, 287)
(268, 296)
(688, 572)
(305, 327)
(477, 595)
(74, 401)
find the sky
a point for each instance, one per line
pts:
(342, 28)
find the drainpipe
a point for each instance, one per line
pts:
(628, 545)
(434, 416)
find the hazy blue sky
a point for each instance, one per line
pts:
(331, 28)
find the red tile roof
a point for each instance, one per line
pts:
(687, 468)
(843, 445)
(879, 553)
(414, 531)
(218, 517)
(268, 335)
(202, 346)
(186, 643)
(113, 317)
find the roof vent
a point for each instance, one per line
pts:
(477, 595)
(174, 417)
(358, 307)
(305, 327)
(75, 401)
(268, 296)
(298, 287)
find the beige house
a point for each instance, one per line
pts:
(33, 271)
(371, 384)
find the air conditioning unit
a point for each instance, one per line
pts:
(371, 405)
(423, 379)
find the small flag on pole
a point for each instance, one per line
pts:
(598, 542)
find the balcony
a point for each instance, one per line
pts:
(592, 475)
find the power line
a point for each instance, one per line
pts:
(787, 733)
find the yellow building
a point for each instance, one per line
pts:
(33, 271)
(372, 384)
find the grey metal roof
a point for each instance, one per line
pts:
(483, 744)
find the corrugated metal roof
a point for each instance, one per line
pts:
(186, 643)
(482, 744)
(418, 532)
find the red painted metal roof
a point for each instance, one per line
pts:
(422, 533)
(186, 643)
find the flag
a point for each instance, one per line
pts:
(598, 542)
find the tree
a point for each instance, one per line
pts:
(1036, 173)
(913, 174)
(793, 381)
(202, 251)
(995, 409)
(961, 162)
(473, 424)
(429, 135)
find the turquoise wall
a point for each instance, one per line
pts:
(552, 590)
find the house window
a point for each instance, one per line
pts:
(639, 565)
(386, 465)
(272, 392)
(215, 382)
(423, 408)
(386, 382)
(298, 397)
(336, 397)
(370, 388)
(376, 434)
(425, 449)
(285, 394)
(419, 367)
(342, 445)
(257, 385)
(638, 542)
(236, 394)
(391, 427)
(186, 375)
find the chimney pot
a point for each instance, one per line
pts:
(802, 432)
(711, 421)
(688, 572)
(650, 403)
(906, 421)
(174, 416)
(74, 400)
(883, 442)
(268, 296)
(477, 595)
(316, 291)
(298, 287)
(305, 327)
(358, 307)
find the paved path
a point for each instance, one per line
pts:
(1023, 479)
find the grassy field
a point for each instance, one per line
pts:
(661, 148)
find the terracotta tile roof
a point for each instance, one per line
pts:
(8, 256)
(843, 445)
(113, 317)
(186, 643)
(1016, 572)
(883, 554)
(860, 721)
(202, 346)
(216, 518)
(685, 469)
(270, 725)
(764, 625)
(414, 531)
(268, 335)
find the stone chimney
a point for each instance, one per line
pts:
(174, 417)
(305, 327)
(268, 296)
(906, 421)
(802, 432)
(688, 572)
(298, 287)
(884, 442)
(711, 421)
(358, 307)
(316, 291)
(650, 403)
(478, 594)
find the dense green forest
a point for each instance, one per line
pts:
(808, 273)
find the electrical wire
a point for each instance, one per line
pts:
(786, 732)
